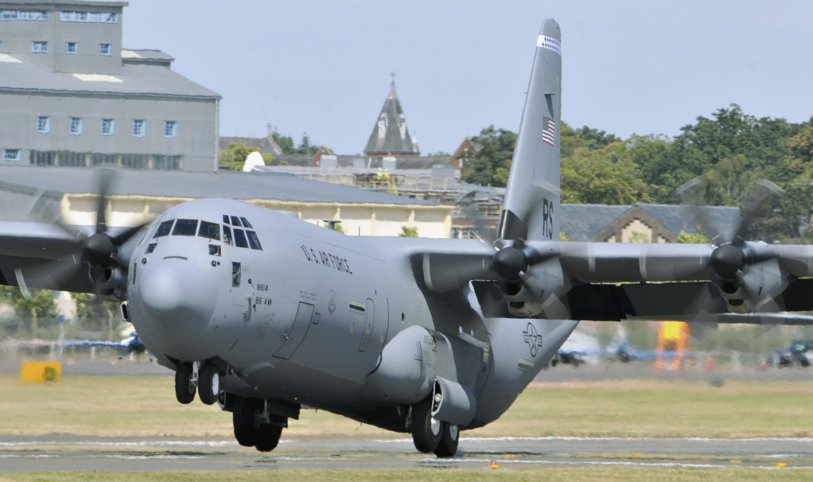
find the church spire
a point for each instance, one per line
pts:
(390, 136)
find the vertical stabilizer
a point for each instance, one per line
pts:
(531, 206)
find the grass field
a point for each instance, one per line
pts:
(101, 406)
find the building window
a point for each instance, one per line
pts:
(11, 154)
(105, 49)
(108, 127)
(23, 15)
(170, 128)
(76, 126)
(43, 124)
(139, 127)
(88, 17)
(39, 47)
(71, 47)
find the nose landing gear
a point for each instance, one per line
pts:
(185, 385)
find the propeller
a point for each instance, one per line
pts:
(732, 255)
(98, 252)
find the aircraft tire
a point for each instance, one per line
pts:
(184, 389)
(449, 437)
(426, 431)
(245, 428)
(268, 437)
(208, 383)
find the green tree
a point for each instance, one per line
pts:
(286, 143)
(692, 238)
(602, 176)
(234, 156)
(409, 232)
(96, 315)
(488, 160)
(305, 146)
(39, 305)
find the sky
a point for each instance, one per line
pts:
(629, 66)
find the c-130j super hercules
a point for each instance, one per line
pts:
(263, 313)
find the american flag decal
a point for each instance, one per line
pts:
(548, 130)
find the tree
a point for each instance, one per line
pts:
(409, 232)
(95, 314)
(305, 146)
(39, 304)
(731, 141)
(234, 156)
(488, 160)
(603, 176)
(286, 143)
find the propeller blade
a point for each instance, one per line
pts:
(103, 183)
(128, 233)
(761, 191)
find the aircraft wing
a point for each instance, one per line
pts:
(41, 255)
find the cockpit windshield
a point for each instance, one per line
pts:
(236, 231)
(185, 227)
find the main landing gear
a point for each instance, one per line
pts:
(431, 435)
(254, 426)
(205, 381)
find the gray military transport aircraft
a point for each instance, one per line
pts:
(263, 313)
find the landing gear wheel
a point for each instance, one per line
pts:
(208, 383)
(245, 429)
(184, 388)
(426, 431)
(448, 440)
(268, 437)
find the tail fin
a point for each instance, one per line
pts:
(531, 206)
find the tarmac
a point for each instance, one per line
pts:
(72, 453)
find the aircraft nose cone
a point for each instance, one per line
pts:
(179, 294)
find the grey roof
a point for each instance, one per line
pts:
(146, 56)
(235, 185)
(350, 161)
(84, 3)
(133, 79)
(583, 222)
(396, 138)
(262, 144)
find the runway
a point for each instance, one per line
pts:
(74, 453)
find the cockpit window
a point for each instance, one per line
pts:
(227, 235)
(164, 228)
(240, 238)
(246, 223)
(209, 230)
(185, 227)
(225, 219)
(235, 221)
(253, 240)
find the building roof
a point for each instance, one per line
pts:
(584, 222)
(146, 56)
(21, 74)
(179, 184)
(390, 134)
